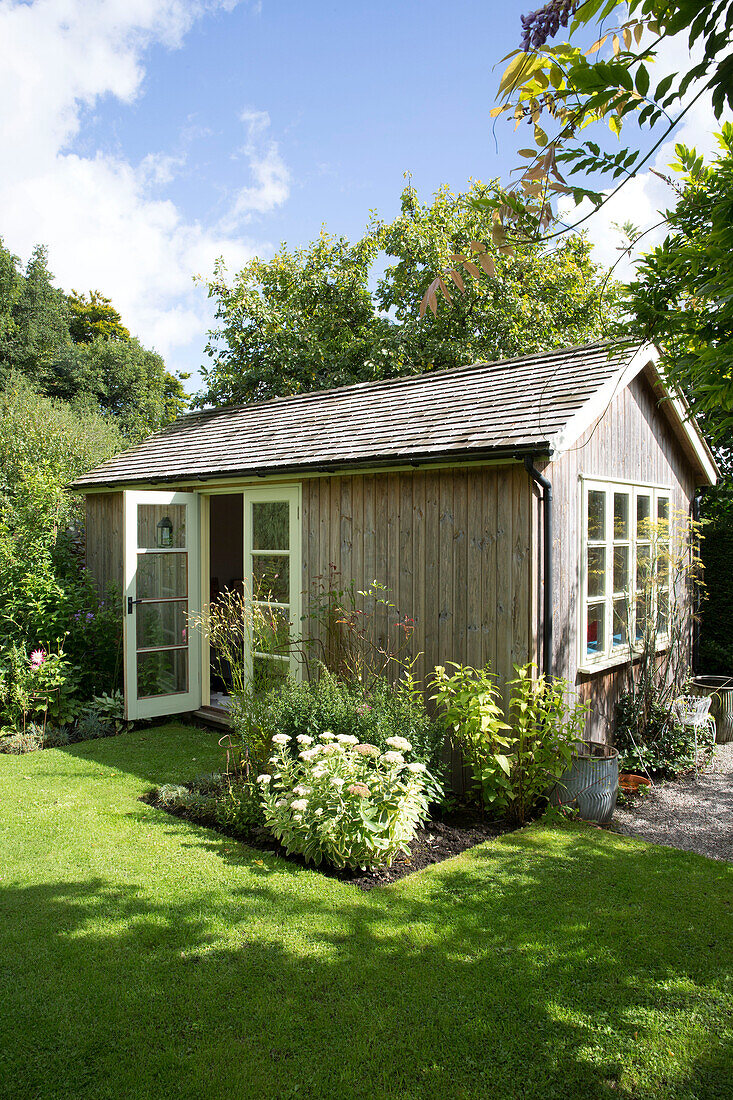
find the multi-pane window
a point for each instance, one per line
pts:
(625, 567)
(271, 546)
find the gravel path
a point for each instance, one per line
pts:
(693, 814)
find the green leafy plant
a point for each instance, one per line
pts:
(659, 619)
(30, 740)
(344, 801)
(547, 723)
(219, 799)
(472, 715)
(344, 708)
(512, 763)
(651, 742)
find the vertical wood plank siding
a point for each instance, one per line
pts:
(104, 539)
(431, 538)
(633, 442)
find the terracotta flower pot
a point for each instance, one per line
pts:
(631, 784)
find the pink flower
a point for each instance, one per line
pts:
(38, 656)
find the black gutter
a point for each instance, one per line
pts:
(336, 466)
(546, 486)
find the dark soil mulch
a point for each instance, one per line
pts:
(436, 841)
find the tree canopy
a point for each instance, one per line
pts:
(308, 319)
(682, 296)
(76, 348)
(92, 317)
(566, 94)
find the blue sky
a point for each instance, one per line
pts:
(147, 137)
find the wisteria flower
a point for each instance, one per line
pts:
(38, 656)
(399, 743)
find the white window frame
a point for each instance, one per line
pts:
(292, 495)
(611, 654)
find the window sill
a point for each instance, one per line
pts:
(605, 664)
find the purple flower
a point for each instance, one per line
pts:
(544, 23)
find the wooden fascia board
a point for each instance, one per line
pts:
(646, 359)
(677, 412)
(593, 409)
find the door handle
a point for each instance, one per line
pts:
(131, 603)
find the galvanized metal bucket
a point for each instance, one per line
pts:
(720, 688)
(590, 784)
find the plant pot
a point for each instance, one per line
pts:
(632, 784)
(720, 688)
(590, 784)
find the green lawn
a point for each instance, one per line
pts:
(143, 957)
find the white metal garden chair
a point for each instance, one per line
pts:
(693, 712)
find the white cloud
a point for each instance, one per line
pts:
(104, 219)
(269, 172)
(643, 200)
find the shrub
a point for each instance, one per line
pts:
(312, 707)
(230, 802)
(513, 764)
(344, 801)
(56, 737)
(29, 740)
(663, 748)
(91, 726)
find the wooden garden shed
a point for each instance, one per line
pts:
(501, 504)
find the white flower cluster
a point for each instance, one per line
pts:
(329, 799)
(392, 758)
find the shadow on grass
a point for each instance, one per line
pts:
(157, 754)
(550, 964)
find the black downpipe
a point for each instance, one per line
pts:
(546, 487)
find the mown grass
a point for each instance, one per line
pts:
(142, 956)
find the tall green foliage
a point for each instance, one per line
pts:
(308, 320)
(77, 348)
(45, 594)
(683, 292)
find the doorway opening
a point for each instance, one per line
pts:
(226, 572)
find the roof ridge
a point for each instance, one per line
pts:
(403, 379)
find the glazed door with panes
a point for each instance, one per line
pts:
(161, 570)
(272, 580)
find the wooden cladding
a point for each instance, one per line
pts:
(453, 548)
(633, 441)
(104, 540)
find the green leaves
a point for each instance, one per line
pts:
(512, 770)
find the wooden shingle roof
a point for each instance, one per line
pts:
(490, 408)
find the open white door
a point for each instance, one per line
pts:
(162, 581)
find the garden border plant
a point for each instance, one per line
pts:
(649, 739)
